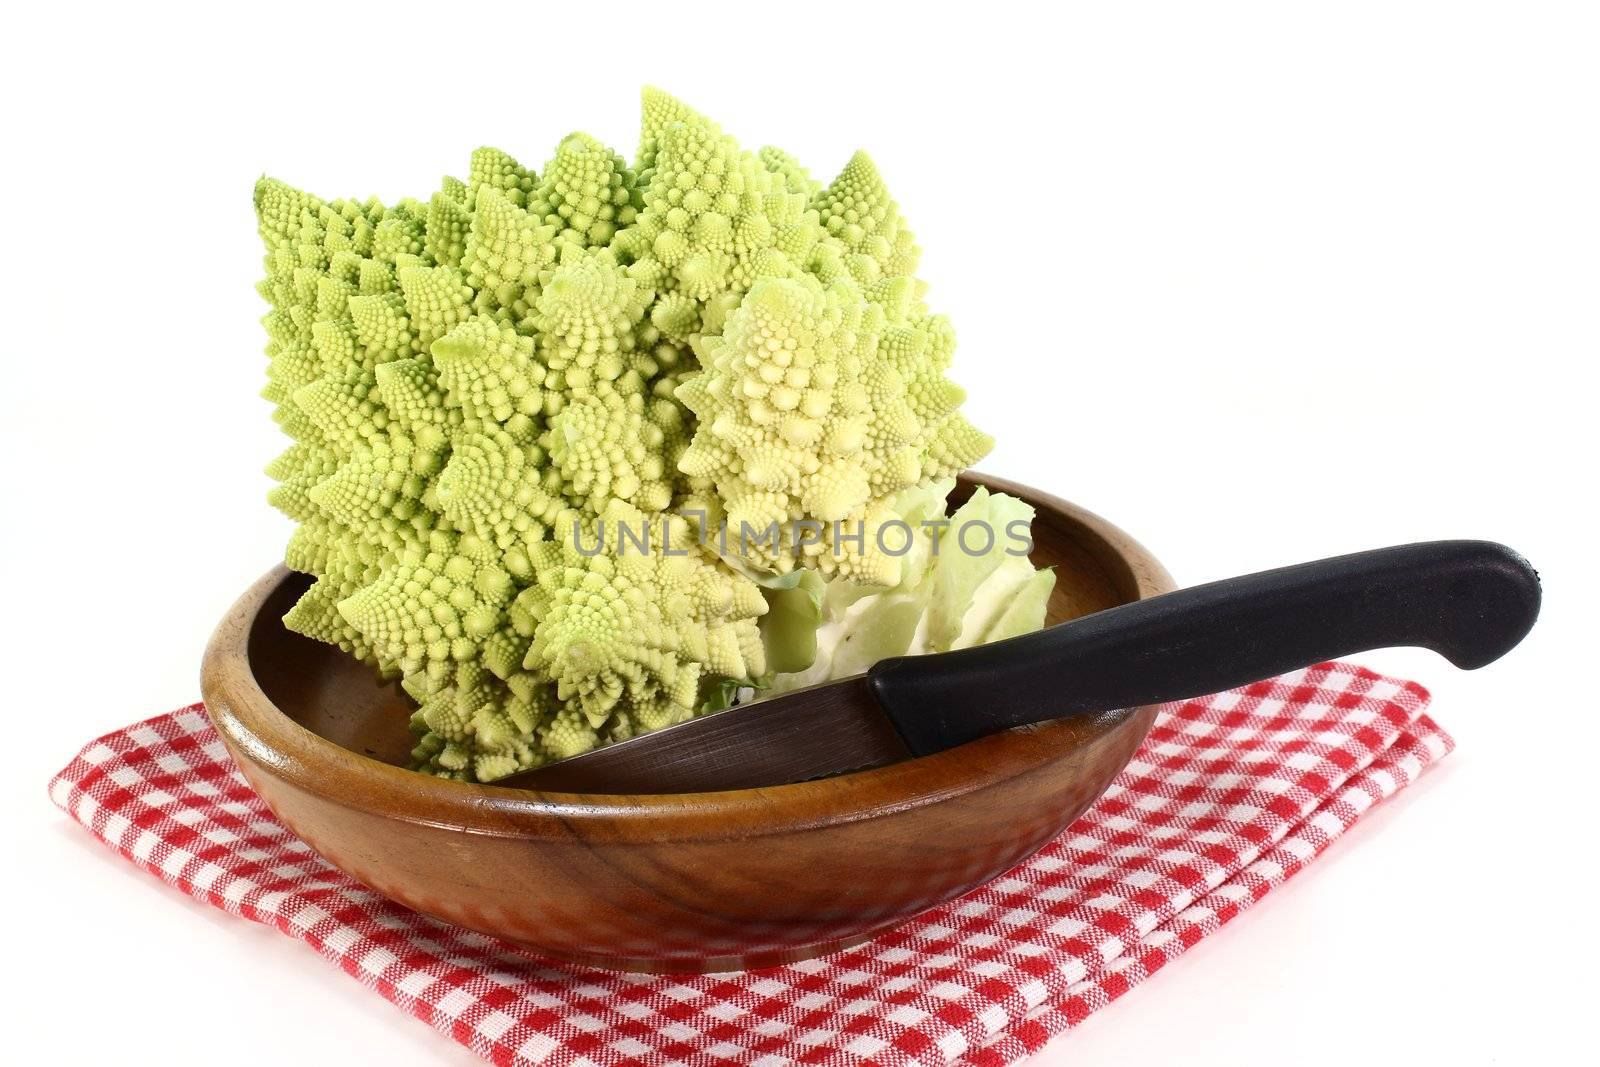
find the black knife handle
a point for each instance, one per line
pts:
(1470, 601)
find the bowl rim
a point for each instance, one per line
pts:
(269, 741)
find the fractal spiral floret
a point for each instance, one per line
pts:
(490, 388)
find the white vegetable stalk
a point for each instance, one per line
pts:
(964, 592)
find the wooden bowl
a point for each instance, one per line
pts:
(690, 882)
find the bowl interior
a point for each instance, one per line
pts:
(342, 700)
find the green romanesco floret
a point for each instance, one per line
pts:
(483, 383)
(586, 193)
(804, 414)
(631, 631)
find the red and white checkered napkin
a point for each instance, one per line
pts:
(1229, 797)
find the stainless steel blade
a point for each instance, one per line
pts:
(809, 733)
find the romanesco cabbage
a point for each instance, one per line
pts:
(485, 385)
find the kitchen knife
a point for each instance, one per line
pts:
(1470, 601)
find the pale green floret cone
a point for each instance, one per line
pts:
(586, 194)
(805, 415)
(632, 634)
(478, 382)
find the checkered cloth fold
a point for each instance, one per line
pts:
(1230, 796)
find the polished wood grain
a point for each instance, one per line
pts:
(687, 882)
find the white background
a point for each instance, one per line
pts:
(1259, 282)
